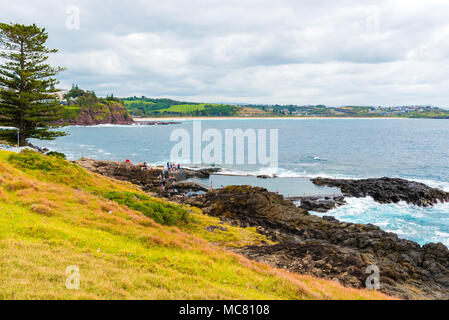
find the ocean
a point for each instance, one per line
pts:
(414, 149)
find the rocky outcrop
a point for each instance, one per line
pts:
(387, 190)
(319, 204)
(199, 172)
(328, 248)
(149, 179)
(187, 186)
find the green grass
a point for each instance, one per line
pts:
(185, 108)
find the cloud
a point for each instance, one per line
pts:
(302, 52)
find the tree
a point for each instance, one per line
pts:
(27, 86)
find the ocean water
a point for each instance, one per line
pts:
(342, 148)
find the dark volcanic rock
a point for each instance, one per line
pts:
(146, 179)
(199, 173)
(387, 190)
(328, 248)
(320, 204)
(251, 203)
(189, 186)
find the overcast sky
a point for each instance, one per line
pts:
(301, 52)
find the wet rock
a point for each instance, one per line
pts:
(330, 219)
(199, 173)
(318, 204)
(189, 186)
(387, 190)
(325, 247)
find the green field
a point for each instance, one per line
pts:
(141, 107)
(185, 108)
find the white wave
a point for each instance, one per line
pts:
(419, 224)
(434, 184)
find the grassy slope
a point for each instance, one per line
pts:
(53, 215)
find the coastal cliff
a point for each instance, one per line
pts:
(83, 107)
(101, 112)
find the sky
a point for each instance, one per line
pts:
(268, 52)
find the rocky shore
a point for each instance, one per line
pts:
(149, 178)
(327, 248)
(318, 204)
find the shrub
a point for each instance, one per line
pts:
(166, 213)
(52, 168)
(56, 154)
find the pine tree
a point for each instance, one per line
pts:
(27, 86)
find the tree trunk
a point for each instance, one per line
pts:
(22, 139)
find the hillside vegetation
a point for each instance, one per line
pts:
(145, 107)
(54, 214)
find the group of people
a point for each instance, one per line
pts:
(166, 178)
(171, 166)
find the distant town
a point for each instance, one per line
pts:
(355, 111)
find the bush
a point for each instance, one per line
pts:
(166, 213)
(56, 154)
(32, 160)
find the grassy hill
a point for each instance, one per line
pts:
(148, 107)
(54, 214)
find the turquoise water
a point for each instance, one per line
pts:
(343, 148)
